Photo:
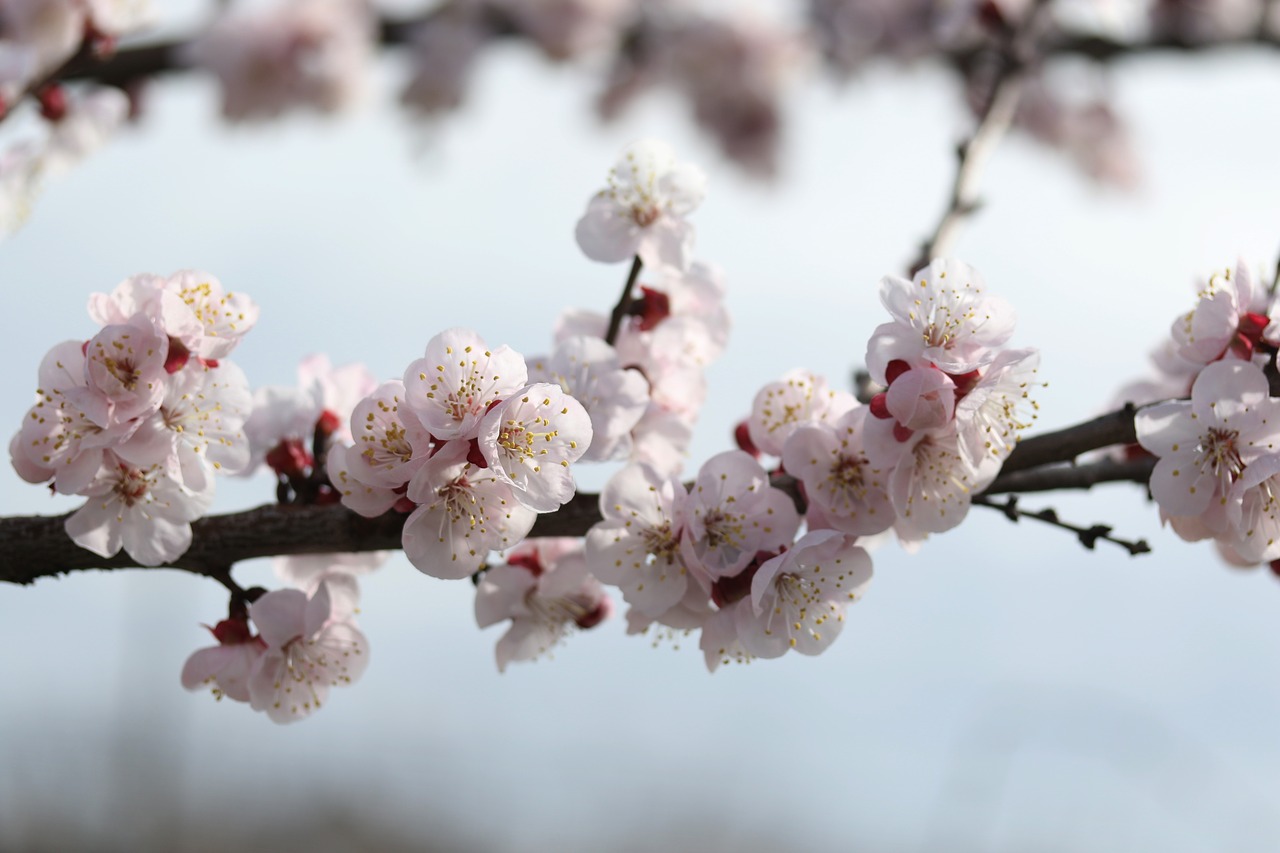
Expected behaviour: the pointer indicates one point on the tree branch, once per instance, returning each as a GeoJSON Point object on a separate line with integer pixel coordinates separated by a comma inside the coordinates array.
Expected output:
{"type": "Point", "coordinates": [38, 546]}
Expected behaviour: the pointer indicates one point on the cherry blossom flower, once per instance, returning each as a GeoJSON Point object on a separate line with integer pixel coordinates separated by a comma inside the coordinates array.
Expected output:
{"type": "Point", "coordinates": [732, 514]}
{"type": "Point", "coordinates": [991, 415]}
{"type": "Point", "coordinates": [125, 368]}
{"type": "Point", "coordinates": [1205, 444]}
{"type": "Point", "coordinates": [225, 667]}
{"type": "Point", "coordinates": [455, 384]}
{"type": "Point", "coordinates": [798, 599]}
{"type": "Point", "coordinates": [529, 441]}
{"type": "Point", "coordinates": [390, 443]}
{"type": "Point", "coordinates": [799, 398]}
{"type": "Point", "coordinates": [312, 646]}
{"type": "Point", "coordinates": [637, 546]}
{"type": "Point", "coordinates": [199, 424]}
{"type": "Point", "coordinates": [546, 591]}
{"type": "Point", "coordinates": [57, 439]}
{"type": "Point", "coordinates": [1229, 321]}
{"type": "Point", "coordinates": [144, 510]}
{"type": "Point", "coordinates": [943, 316]}
{"type": "Point", "coordinates": [615, 398]}
{"type": "Point", "coordinates": [464, 513]}
{"type": "Point", "coordinates": [838, 478]}
{"type": "Point", "coordinates": [642, 212]}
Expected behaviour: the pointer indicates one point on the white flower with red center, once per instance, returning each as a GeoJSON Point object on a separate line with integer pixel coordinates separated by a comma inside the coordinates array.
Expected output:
{"type": "Point", "coordinates": [991, 415]}
{"type": "Point", "coordinates": [589, 369]}
{"type": "Point", "coordinates": [312, 646]}
{"type": "Point", "coordinates": [200, 424]}
{"type": "Point", "coordinates": [1229, 320]}
{"type": "Point", "coordinates": [637, 546]}
{"type": "Point", "coordinates": [464, 513]}
{"type": "Point", "coordinates": [529, 441]}
{"type": "Point", "coordinates": [830, 460]}
{"type": "Point", "coordinates": [780, 408]}
{"type": "Point", "coordinates": [732, 514]}
{"type": "Point", "coordinates": [943, 316]}
{"type": "Point", "coordinates": [125, 368]}
{"type": "Point", "coordinates": [546, 592]}
{"type": "Point", "coordinates": [798, 599]}
{"type": "Point", "coordinates": [642, 211]}
{"type": "Point", "coordinates": [390, 443]}
{"type": "Point", "coordinates": [144, 510]}
{"type": "Point", "coordinates": [458, 381]}
{"type": "Point", "coordinates": [225, 667]}
{"type": "Point", "coordinates": [1205, 444]}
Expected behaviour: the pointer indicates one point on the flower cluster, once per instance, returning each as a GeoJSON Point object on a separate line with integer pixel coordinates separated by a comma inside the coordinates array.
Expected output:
{"type": "Point", "coordinates": [468, 446]}
{"type": "Point", "coordinates": [306, 644]}
{"type": "Point", "coordinates": [1218, 451]}
{"type": "Point", "coordinates": [724, 556]}
{"type": "Point", "coordinates": [139, 417]}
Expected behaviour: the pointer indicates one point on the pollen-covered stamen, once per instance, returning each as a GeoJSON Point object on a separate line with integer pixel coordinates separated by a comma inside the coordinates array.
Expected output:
{"type": "Point", "coordinates": [1220, 456]}
{"type": "Point", "coordinates": [846, 480]}
{"type": "Point", "coordinates": [724, 532]}
{"type": "Point", "coordinates": [661, 542]}
{"type": "Point", "coordinates": [523, 441]}
{"type": "Point", "coordinates": [799, 608]}
{"type": "Point", "coordinates": [132, 485]}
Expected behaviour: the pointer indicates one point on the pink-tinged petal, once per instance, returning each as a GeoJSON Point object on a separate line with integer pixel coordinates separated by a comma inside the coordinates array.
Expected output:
{"type": "Point", "coordinates": [286, 693]}
{"type": "Point", "coordinates": [667, 243]}
{"type": "Point", "coordinates": [280, 616]}
{"type": "Point", "coordinates": [501, 595]}
{"type": "Point", "coordinates": [96, 528]}
{"type": "Point", "coordinates": [156, 541]}
{"type": "Point", "coordinates": [775, 521]}
{"type": "Point", "coordinates": [719, 642]}
{"type": "Point", "coordinates": [1167, 428]}
{"type": "Point", "coordinates": [1179, 487]}
{"type": "Point", "coordinates": [345, 653]}
{"type": "Point", "coordinates": [451, 388]}
{"type": "Point", "coordinates": [922, 398]}
{"type": "Point", "coordinates": [606, 232]}
{"type": "Point", "coordinates": [369, 501]}
{"type": "Point", "coordinates": [27, 468]}
{"type": "Point", "coordinates": [1227, 391]}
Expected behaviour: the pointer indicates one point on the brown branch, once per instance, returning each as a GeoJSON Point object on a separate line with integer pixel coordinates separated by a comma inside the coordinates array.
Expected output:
{"type": "Point", "coordinates": [623, 307]}
{"type": "Point", "coordinates": [38, 546]}
{"type": "Point", "coordinates": [131, 64]}
{"type": "Point", "coordinates": [1089, 536]}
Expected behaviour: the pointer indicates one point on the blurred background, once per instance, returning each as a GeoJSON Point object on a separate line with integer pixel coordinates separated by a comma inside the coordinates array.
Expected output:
{"type": "Point", "coordinates": [1001, 690]}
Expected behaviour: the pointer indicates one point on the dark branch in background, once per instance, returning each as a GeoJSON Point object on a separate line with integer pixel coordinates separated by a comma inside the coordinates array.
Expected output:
{"type": "Point", "coordinates": [623, 308]}
{"type": "Point", "coordinates": [132, 64]}
{"type": "Point", "coordinates": [1012, 55]}
{"type": "Point", "coordinates": [1088, 536]}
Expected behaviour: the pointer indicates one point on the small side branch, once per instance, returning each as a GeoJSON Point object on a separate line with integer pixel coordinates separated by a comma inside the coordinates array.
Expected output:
{"type": "Point", "coordinates": [1012, 57]}
{"type": "Point", "coordinates": [1088, 536]}
{"type": "Point", "coordinates": [623, 308]}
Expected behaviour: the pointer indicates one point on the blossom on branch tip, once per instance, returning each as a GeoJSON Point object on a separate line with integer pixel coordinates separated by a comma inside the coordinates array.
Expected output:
{"type": "Point", "coordinates": [642, 211]}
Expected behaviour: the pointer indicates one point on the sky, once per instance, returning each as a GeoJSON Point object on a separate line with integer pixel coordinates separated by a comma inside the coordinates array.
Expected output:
{"type": "Point", "coordinates": [1001, 689]}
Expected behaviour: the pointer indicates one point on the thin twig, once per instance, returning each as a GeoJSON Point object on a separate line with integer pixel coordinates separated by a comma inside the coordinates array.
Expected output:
{"type": "Point", "coordinates": [1088, 536]}
{"type": "Point", "coordinates": [623, 307]}
{"type": "Point", "coordinates": [1012, 56]}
